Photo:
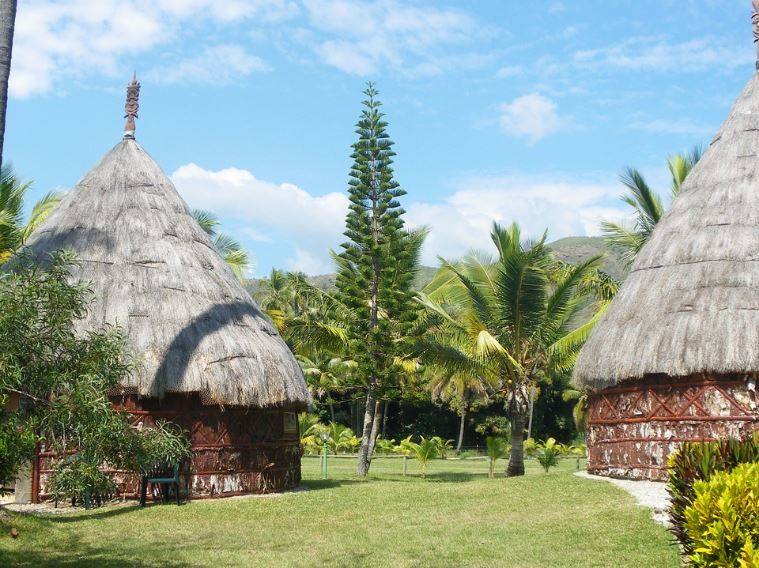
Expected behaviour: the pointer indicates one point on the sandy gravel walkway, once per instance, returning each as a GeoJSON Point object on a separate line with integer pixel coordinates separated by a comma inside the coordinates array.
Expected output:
{"type": "Point", "coordinates": [651, 494]}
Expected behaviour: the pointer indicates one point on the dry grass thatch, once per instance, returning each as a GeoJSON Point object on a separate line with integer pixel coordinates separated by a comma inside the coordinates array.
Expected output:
{"type": "Point", "coordinates": [691, 301]}
{"type": "Point", "coordinates": [190, 325]}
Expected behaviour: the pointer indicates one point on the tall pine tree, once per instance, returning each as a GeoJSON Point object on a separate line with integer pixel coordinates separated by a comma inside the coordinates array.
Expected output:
{"type": "Point", "coordinates": [376, 268]}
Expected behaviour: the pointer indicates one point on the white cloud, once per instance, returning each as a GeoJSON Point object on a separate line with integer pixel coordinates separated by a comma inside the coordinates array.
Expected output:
{"type": "Point", "coordinates": [363, 37]}
{"type": "Point", "coordinates": [61, 39]}
{"type": "Point", "coordinates": [217, 64]}
{"type": "Point", "coordinates": [56, 39]}
{"type": "Point", "coordinates": [657, 54]}
{"type": "Point", "coordinates": [463, 221]}
{"type": "Point", "coordinates": [532, 116]}
{"type": "Point", "coordinates": [283, 212]}
{"type": "Point", "coordinates": [309, 226]}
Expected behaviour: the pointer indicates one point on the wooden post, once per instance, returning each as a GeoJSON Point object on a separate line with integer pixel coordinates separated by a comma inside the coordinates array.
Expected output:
{"type": "Point", "coordinates": [405, 465]}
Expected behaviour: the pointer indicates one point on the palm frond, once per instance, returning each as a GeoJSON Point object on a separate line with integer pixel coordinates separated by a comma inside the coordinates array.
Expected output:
{"type": "Point", "coordinates": [207, 221]}
{"type": "Point", "coordinates": [40, 212]}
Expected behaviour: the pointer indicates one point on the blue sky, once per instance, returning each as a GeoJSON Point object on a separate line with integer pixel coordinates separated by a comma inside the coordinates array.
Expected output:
{"type": "Point", "coordinates": [500, 110]}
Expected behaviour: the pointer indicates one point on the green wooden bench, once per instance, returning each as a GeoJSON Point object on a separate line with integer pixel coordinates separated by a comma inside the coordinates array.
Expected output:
{"type": "Point", "coordinates": [160, 477]}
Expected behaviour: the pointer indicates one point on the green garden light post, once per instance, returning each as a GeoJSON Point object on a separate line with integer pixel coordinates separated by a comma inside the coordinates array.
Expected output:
{"type": "Point", "coordinates": [325, 449]}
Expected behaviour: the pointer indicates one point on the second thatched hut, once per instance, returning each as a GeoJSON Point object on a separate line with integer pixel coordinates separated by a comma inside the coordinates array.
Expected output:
{"type": "Point", "coordinates": [676, 356]}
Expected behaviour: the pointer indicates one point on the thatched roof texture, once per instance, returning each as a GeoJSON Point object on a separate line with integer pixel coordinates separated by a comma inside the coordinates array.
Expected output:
{"type": "Point", "coordinates": [691, 301]}
{"type": "Point", "coordinates": [190, 325]}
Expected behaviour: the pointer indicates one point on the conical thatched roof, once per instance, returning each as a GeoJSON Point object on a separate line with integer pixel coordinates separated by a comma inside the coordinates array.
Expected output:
{"type": "Point", "coordinates": [190, 325]}
{"type": "Point", "coordinates": [691, 301]}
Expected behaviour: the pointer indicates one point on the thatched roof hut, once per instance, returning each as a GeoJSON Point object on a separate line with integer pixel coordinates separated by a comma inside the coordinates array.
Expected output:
{"type": "Point", "coordinates": [691, 301]}
{"type": "Point", "coordinates": [676, 355]}
{"type": "Point", "coordinates": [203, 349]}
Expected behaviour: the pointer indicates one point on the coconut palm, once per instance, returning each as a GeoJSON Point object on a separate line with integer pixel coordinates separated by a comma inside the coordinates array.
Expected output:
{"type": "Point", "coordinates": [514, 320]}
{"type": "Point", "coordinates": [423, 452]}
{"type": "Point", "coordinates": [230, 250]}
{"type": "Point", "coordinates": [326, 376]}
{"type": "Point", "coordinates": [647, 205]}
{"type": "Point", "coordinates": [13, 229]}
{"type": "Point", "coordinates": [496, 449]}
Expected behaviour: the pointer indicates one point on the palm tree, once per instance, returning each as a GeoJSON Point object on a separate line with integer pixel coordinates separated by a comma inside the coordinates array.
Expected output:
{"type": "Point", "coordinates": [495, 449]}
{"type": "Point", "coordinates": [514, 318]}
{"type": "Point", "coordinates": [7, 27]}
{"type": "Point", "coordinates": [326, 376]}
{"type": "Point", "coordinates": [647, 205]}
{"type": "Point", "coordinates": [13, 230]}
{"type": "Point", "coordinates": [230, 250]}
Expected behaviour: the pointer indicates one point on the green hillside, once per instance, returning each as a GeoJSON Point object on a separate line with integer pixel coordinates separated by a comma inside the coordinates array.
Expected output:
{"type": "Point", "coordinates": [569, 249]}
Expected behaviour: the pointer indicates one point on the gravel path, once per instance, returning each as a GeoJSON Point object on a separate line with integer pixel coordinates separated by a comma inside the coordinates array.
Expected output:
{"type": "Point", "coordinates": [651, 494]}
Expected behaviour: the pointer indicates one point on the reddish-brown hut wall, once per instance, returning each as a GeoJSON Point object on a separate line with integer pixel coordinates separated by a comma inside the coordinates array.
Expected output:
{"type": "Point", "coordinates": [235, 450]}
{"type": "Point", "coordinates": [634, 427]}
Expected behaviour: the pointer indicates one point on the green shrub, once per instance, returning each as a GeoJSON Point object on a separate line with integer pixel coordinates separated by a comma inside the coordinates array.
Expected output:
{"type": "Point", "coordinates": [696, 461]}
{"type": "Point", "coordinates": [442, 446]}
{"type": "Point", "coordinates": [404, 448]}
{"type": "Point", "coordinates": [384, 446]}
{"type": "Point", "coordinates": [81, 481]}
{"type": "Point", "coordinates": [547, 453]}
{"type": "Point", "coordinates": [530, 447]}
{"type": "Point", "coordinates": [723, 521]}
{"type": "Point", "coordinates": [161, 446]}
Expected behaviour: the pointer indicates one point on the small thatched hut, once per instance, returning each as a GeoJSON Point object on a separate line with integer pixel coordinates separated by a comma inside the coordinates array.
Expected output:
{"type": "Point", "coordinates": [207, 359]}
{"type": "Point", "coordinates": [676, 356]}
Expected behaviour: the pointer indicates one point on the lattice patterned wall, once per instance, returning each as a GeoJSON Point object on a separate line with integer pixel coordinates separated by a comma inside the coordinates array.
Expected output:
{"type": "Point", "coordinates": [633, 427]}
{"type": "Point", "coordinates": [235, 450]}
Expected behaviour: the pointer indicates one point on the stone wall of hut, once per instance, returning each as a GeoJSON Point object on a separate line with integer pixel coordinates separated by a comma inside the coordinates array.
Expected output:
{"type": "Point", "coordinates": [634, 427]}
{"type": "Point", "coordinates": [236, 450]}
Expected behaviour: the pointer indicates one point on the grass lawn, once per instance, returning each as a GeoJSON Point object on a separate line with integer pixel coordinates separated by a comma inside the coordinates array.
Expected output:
{"type": "Point", "coordinates": [456, 517]}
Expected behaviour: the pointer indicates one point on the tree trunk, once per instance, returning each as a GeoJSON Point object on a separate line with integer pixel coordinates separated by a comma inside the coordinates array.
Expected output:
{"type": "Point", "coordinates": [516, 459]}
{"type": "Point", "coordinates": [375, 429]}
{"type": "Point", "coordinates": [461, 429]}
{"type": "Point", "coordinates": [7, 27]}
{"type": "Point", "coordinates": [332, 410]}
{"type": "Point", "coordinates": [364, 459]}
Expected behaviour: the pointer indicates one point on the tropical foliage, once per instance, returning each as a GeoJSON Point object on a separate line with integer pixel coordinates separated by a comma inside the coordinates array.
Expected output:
{"type": "Point", "coordinates": [60, 381]}
{"type": "Point", "coordinates": [423, 451]}
{"type": "Point", "coordinates": [723, 521]}
{"type": "Point", "coordinates": [698, 461]}
{"type": "Point", "coordinates": [548, 453]}
{"type": "Point", "coordinates": [13, 229]}
{"type": "Point", "coordinates": [511, 320]}
{"type": "Point", "coordinates": [496, 449]}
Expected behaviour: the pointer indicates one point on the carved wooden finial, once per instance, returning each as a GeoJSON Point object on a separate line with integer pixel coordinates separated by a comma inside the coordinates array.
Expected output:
{"type": "Point", "coordinates": [755, 25]}
{"type": "Point", "coordinates": [132, 106]}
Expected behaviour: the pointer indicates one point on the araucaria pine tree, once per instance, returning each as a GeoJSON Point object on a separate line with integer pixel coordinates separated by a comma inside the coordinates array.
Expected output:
{"type": "Point", "coordinates": [375, 269]}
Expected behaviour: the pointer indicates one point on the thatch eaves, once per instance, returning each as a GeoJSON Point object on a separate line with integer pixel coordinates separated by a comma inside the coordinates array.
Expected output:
{"type": "Point", "coordinates": [190, 325]}
{"type": "Point", "coordinates": [691, 301]}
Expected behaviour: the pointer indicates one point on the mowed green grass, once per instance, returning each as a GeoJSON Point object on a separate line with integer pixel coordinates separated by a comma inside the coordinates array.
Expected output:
{"type": "Point", "coordinates": [456, 517]}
